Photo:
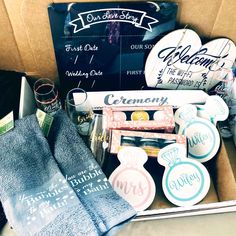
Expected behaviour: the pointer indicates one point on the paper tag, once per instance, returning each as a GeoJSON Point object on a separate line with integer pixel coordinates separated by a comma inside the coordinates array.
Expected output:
{"type": "Point", "coordinates": [45, 121]}
{"type": "Point", "coordinates": [180, 61]}
{"type": "Point", "coordinates": [215, 109]}
{"type": "Point", "coordinates": [131, 180]}
{"type": "Point", "coordinates": [185, 181]}
{"type": "Point", "coordinates": [203, 137]}
{"type": "Point", "coordinates": [6, 123]}
{"type": "Point", "coordinates": [79, 97]}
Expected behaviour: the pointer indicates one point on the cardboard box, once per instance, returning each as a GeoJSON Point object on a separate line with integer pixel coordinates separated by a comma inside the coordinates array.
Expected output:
{"type": "Point", "coordinates": [26, 45]}
{"type": "Point", "coordinates": [220, 198]}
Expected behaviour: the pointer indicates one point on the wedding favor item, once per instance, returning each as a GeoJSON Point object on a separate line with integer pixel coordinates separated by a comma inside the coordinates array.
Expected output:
{"type": "Point", "coordinates": [36, 197]}
{"type": "Point", "coordinates": [140, 118]}
{"type": "Point", "coordinates": [151, 142]}
{"type": "Point", "coordinates": [180, 61]}
{"type": "Point", "coordinates": [203, 137]}
{"type": "Point", "coordinates": [131, 180]}
{"type": "Point", "coordinates": [215, 109]}
{"type": "Point", "coordinates": [141, 98]}
{"type": "Point", "coordinates": [106, 208]}
{"type": "Point", "coordinates": [79, 110]}
{"type": "Point", "coordinates": [103, 45]}
{"type": "Point", "coordinates": [185, 181]}
{"type": "Point", "coordinates": [46, 96]}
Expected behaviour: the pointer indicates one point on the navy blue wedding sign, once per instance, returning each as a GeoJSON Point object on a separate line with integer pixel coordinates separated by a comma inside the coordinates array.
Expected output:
{"type": "Point", "coordinates": [103, 46]}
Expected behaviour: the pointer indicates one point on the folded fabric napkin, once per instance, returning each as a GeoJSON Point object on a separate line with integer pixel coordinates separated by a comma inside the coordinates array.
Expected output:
{"type": "Point", "coordinates": [77, 163]}
{"type": "Point", "coordinates": [36, 197]}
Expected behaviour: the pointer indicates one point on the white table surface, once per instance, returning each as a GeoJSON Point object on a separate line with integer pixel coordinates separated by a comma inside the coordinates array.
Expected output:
{"type": "Point", "coordinates": [223, 224]}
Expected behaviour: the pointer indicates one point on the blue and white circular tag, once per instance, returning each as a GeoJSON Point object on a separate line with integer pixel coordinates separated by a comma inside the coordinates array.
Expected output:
{"type": "Point", "coordinates": [215, 109]}
{"type": "Point", "coordinates": [203, 137]}
{"type": "Point", "coordinates": [185, 181]}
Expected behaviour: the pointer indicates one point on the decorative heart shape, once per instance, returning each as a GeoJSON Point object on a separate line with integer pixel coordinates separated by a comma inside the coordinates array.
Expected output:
{"type": "Point", "coordinates": [180, 61]}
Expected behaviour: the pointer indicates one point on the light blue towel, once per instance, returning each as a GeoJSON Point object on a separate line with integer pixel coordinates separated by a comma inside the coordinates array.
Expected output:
{"type": "Point", "coordinates": [77, 163]}
{"type": "Point", "coordinates": [36, 197]}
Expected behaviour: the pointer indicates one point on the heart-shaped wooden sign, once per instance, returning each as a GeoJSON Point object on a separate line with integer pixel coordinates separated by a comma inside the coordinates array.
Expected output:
{"type": "Point", "coordinates": [180, 61]}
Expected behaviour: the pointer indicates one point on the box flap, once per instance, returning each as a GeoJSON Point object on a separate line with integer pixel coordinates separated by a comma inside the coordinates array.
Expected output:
{"type": "Point", "coordinates": [9, 54]}
{"type": "Point", "coordinates": [30, 24]}
{"type": "Point", "coordinates": [224, 24]}
{"type": "Point", "coordinates": [225, 179]}
{"type": "Point", "coordinates": [197, 16]}
{"type": "Point", "coordinates": [17, 21]}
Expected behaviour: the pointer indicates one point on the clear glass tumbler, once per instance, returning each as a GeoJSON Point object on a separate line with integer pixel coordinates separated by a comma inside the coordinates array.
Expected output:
{"type": "Point", "coordinates": [79, 110]}
{"type": "Point", "coordinates": [98, 138]}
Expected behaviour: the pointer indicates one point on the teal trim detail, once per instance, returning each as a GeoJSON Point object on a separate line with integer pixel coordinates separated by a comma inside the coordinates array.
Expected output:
{"type": "Point", "coordinates": [213, 143]}
{"type": "Point", "coordinates": [195, 195]}
{"type": "Point", "coordinates": [200, 108]}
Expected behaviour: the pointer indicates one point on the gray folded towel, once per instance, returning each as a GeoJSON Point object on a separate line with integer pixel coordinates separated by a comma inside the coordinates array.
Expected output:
{"type": "Point", "coordinates": [36, 197]}
{"type": "Point", "coordinates": [105, 206]}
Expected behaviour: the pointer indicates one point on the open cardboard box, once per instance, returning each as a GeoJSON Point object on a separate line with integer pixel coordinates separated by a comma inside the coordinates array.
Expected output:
{"type": "Point", "coordinates": [222, 168]}
{"type": "Point", "coordinates": [26, 45]}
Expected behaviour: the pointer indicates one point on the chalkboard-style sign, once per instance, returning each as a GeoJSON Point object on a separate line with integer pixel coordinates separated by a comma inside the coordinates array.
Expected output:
{"type": "Point", "coordinates": [103, 46]}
